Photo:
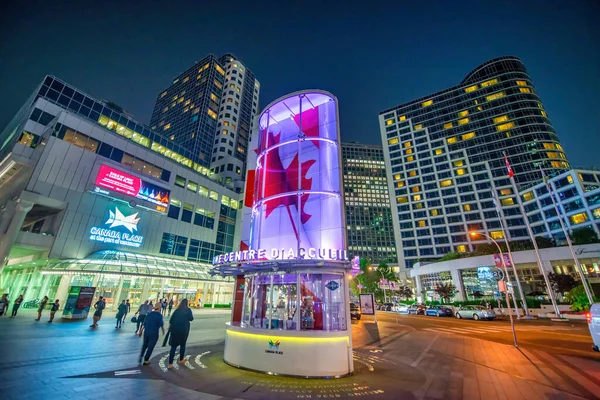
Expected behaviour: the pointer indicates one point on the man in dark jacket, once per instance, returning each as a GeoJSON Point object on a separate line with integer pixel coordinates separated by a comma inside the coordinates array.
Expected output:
{"type": "Point", "coordinates": [152, 323]}
{"type": "Point", "coordinates": [121, 314]}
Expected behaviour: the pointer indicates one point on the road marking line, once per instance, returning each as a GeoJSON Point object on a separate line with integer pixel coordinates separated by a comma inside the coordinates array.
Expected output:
{"type": "Point", "coordinates": [199, 362]}
{"type": "Point", "coordinates": [162, 363]}
{"type": "Point", "coordinates": [132, 372]}
{"type": "Point", "coordinates": [418, 360]}
{"type": "Point", "coordinates": [187, 363]}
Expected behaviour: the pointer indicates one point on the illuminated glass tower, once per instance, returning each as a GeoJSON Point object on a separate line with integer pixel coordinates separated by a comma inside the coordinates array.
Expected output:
{"type": "Point", "coordinates": [444, 158]}
{"type": "Point", "coordinates": [209, 110]}
{"type": "Point", "coordinates": [368, 214]}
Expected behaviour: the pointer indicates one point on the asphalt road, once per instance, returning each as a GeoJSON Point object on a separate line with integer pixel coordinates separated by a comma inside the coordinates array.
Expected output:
{"type": "Point", "coordinates": [553, 337]}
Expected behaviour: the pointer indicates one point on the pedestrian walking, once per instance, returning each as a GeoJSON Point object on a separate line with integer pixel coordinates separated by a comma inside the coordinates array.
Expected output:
{"type": "Point", "coordinates": [164, 306]}
{"type": "Point", "coordinates": [3, 304]}
{"type": "Point", "coordinates": [99, 306]}
{"type": "Point", "coordinates": [122, 310]}
{"type": "Point", "coordinates": [170, 306]}
{"type": "Point", "coordinates": [128, 305]}
{"type": "Point", "coordinates": [53, 310]}
{"type": "Point", "coordinates": [41, 308]}
{"type": "Point", "coordinates": [179, 326]}
{"type": "Point", "coordinates": [141, 313]}
{"type": "Point", "coordinates": [16, 306]}
{"type": "Point", "coordinates": [152, 323]}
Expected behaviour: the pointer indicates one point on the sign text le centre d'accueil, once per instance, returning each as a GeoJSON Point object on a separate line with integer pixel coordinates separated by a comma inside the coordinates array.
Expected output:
{"type": "Point", "coordinates": [281, 254]}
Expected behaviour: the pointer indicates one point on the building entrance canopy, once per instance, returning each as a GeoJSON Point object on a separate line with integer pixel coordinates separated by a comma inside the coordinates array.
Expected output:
{"type": "Point", "coordinates": [127, 263]}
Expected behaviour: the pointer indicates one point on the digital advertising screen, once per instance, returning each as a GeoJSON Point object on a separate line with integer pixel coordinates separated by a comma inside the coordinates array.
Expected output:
{"type": "Point", "coordinates": [121, 182]}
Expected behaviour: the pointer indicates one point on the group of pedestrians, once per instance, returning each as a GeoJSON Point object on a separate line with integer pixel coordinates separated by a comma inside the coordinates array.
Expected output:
{"type": "Point", "coordinates": [149, 319]}
{"type": "Point", "coordinates": [176, 336]}
{"type": "Point", "coordinates": [4, 306]}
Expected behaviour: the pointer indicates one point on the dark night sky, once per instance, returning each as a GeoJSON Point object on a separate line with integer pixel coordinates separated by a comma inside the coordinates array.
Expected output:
{"type": "Point", "coordinates": [372, 55]}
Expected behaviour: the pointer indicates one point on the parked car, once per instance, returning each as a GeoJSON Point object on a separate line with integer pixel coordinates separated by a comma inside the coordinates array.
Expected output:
{"type": "Point", "coordinates": [416, 309]}
{"type": "Point", "coordinates": [387, 306]}
{"type": "Point", "coordinates": [354, 311]}
{"type": "Point", "coordinates": [402, 308]}
{"type": "Point", "coordinates": [475, 313]}
{"type": "Point", "coordinates": [593, 320]}
{"type": "Point", "coordinates": [439, 311]}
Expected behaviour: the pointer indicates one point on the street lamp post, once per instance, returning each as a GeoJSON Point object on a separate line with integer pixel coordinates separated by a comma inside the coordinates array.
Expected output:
{"type": "Point", "coordinates": [512, 322]}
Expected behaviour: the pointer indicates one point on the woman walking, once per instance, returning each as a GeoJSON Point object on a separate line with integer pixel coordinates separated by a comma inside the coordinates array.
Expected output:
{"type": "Point", "coordinates": [121, 314]}
{"type": "Point", "coordinates": [16, 306]}
{"type": "Point", "coordinates": [179, 325]}
{"type": "Point", "coordinates": [3, 304]}
{"type": "Point", "coordinates": [41, 308]}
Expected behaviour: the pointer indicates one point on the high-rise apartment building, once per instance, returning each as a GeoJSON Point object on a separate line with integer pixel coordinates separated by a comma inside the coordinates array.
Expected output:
{"type": "Point", "coordinates": [368, 214]}
{"type": "Point", "coordinates": [209, 109]}
{"type": "Point", "coordinates": [444, 158]}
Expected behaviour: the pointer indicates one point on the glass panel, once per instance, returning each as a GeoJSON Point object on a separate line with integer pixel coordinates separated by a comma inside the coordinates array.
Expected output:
{"type": "Point", "coordinates": [322, 306]}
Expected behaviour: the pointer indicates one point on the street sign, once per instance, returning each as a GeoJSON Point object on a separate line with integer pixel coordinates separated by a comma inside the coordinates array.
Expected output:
{"type": "Point", "coordinates": [498, 260]}
{"type": "Point", "coordinates": [502, 286]}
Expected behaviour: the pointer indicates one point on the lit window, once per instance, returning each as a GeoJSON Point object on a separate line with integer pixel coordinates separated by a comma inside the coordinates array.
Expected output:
{"type": "Point", "coordinates": [555, 164]}
{"type": "Point", "coordinates": [439, 151]}
{"type": "Point", "coordinates": [471, 89]}
{"type": "Point", "coordinates": [397, 176]}
{"type": "Point", "coordinates": [400, 184]}
{"type": "Point", "coordinates": [167, 126]}
{"type": "Point", "coordinates": [463, 113]}
{"type": "Point", "coordinates": [435, 212]}
{"type": "Point", "coordinates": [427, 103]}
{"type": "Point", "coordinates": [422, 223]}
{"type": "Point", "coordinates": [506, 126]}
{"type": "Point", "coordinates": [408, 151]}
{"type": "Point", "coordinates": [461, 248]}
{"type": "Point", "coordinates": [213, 97]}
{"type": "Point", "coordinates": [544, 113]}
{"type": "Point", "coordinates": [508, 201]}
{"type": "Point", "coordinates": [505, 192]}
{"type": "Point", "coordinates": [552, 154]}
{"type": "Point", "coordinates": [497, 235]}
{"type": "Point", "coordinates": [226, 123]}
{"type": "Point", "coordinates": [502, 118]}
{"type": "Point", "coordinates": [569, 178]}
{"type": "Point", "coordinates": [415, 189]}
{"type": "Point", "coordinates": [494, 96]}
{"type": "Point", "coordinates": [460, 171]}
{"type": "Point", "coordinates": [407, 144]}
{"type": "Point", "coordinates": [402, 118]}
{"type": "Point", "coordinates": [446, 183]}
{"type": "Point", "coordinates": [224, 131]}
{"type": "Point", "coordinates": [212, 114]}
{"type": "Point", "coordinates": [219, 69]}
{"type": "Point", "coordinates": [418, 126]}
{"type": "Point", "coordinates": [417, 197]}
{"type": "Point", "coordinates": [528, 196]}
{"type": "Point", "coordinates": [419, 205]}
{"type": "Point", "coordinates": [525, 90]}
{"type": "Point", "coordinates": [218, 84]}
{"type": "Point", "coordinates": [466, 207]}
{"type": "Point", "coordinates": [410, 158]}
{"type": "Point", "coordinates": [451, 140]}
{"type": "Point", "coordinates": [489, 83]}
{"type": "Point", "coordinates": [468, 136]}
{"type": "Point", "coordinates": [163, 94]}
{"type": "Point", "coordinates": [412, 173]}
{"type": "Point", "coordinates": [463, 121]}
{"type": "Point", "coordinates": [389, 122]}
{"type": "Point", "coordinates": [393, 141]}
{"type": "Point", "coordinates": [448, 125]}
{"type": "Point", "coordinates": [458, 163]}
{"type": "Point", "coordinates": [578, 218]}
{"type": "Point", "coordinates": [521, 83]}
{"type": "Point", "coordinates": [403, 199]}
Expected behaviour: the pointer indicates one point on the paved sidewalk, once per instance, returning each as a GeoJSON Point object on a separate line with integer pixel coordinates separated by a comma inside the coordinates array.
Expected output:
{"type": "Point", "coordinates": [391, 361]}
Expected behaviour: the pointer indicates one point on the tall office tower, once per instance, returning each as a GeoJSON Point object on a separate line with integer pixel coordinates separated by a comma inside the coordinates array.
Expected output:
{"type": "Point", "coordinates": [444, 159]}
{"type": "Point", "coordinates": [209, 109]}
{"type": "Point", "coordinates": [368, 214]}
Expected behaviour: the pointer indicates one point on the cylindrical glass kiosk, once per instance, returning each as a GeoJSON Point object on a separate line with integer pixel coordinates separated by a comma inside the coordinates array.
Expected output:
{"type": "Point", "coordinates": [294, 317]}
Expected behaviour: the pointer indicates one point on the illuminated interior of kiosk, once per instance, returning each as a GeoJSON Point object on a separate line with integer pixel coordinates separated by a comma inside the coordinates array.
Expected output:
{"type": "Point", "coordinates": [295, 301]}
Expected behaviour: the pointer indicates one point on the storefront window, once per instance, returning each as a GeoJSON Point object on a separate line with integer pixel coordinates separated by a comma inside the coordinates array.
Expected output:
{"type": "Point", "coordinates": [271, 302]}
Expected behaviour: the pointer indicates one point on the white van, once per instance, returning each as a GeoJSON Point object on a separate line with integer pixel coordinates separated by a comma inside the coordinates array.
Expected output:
{"type": "Point", "coordinates": [593, 319]}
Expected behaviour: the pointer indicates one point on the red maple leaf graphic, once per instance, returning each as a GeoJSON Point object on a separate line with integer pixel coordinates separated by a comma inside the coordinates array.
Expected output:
{"type": "Point", "coordinates": [310, 124]}
{"type": "Point", "coordinates": [276, 179]}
